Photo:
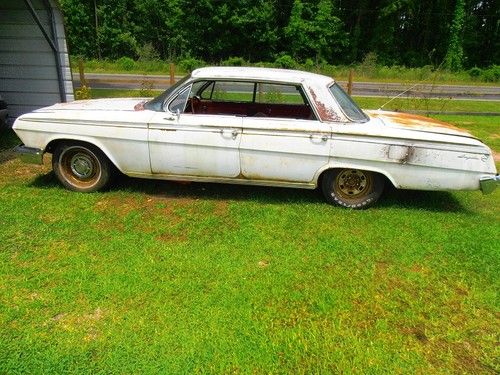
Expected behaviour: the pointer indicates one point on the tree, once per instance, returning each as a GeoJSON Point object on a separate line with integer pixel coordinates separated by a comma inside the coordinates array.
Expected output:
{"type": "Point", "coordinates": [455, 54]}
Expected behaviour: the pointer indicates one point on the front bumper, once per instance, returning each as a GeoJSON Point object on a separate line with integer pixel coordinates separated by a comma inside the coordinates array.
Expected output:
{"type": "Point", "coordinates": [488, 184]}
{"type": "Point", "coordinates": [29, 154]}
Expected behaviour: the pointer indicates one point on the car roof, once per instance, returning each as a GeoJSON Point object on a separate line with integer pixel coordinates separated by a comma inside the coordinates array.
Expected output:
{"type": "Point", "coordinates": [265, 74]}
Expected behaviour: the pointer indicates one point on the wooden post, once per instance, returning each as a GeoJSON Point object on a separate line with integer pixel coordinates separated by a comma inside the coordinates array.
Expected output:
{"type": "Point", "coordinates": [172, 73]}
{"type": "Point", "coordinates": [349, 83]}
{"type": "Point", "coordinates": [81, 70]}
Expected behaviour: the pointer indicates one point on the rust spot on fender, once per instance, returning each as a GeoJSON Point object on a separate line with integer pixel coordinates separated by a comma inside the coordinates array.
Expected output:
{"type": "Point", "coordinates": [401, 154]}
{"type": "Point", "coordinates": [325, 114]}
{"type": "Point", "coordinates": [408, 156]}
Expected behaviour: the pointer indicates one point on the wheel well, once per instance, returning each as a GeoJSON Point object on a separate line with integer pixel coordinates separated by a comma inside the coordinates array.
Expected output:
{"type": "Point", "coordinates": [387, 180]}
{"type": "Point", "coordinates": [52, 145]}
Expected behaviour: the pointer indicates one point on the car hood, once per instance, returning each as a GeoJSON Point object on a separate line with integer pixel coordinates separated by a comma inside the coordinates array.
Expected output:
{"type": "Point", "coordinates": [417, 123]}
{"type": "Point", "coordinates": [115, 104]}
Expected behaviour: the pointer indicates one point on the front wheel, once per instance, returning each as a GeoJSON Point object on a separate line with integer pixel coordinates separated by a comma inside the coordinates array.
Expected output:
{"type": "Point", "coordinates": [81, 167]}
{"type": "Point", "coordinates": [352, 188]}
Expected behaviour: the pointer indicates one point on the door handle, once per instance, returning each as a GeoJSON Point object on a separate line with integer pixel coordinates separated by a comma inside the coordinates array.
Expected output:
{"type": "Point", "coordinates": [229, 132]}
{"type": "Point", "coordinates": [171, 118]}
{"type": "Point", "coordinates": [319, 137]}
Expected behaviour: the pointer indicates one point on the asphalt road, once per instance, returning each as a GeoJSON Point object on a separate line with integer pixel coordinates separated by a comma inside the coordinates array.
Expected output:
{"type": "Point", "coordinates": [424, 90]}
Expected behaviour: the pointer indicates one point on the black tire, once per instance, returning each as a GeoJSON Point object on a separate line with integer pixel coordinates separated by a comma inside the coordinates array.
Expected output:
{"type": "Point", "coordinates": [352, 188]}
{"type": "Point", "coordinates": [81, 167]}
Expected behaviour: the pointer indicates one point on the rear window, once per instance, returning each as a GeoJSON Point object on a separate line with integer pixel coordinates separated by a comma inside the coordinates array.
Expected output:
{"type": "Point", "coordinates": [348, 106]}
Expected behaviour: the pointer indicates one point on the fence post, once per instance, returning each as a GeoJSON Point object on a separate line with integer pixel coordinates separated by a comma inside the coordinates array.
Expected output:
{"type": "Point", "coordinates": [81, 70]}
{"type": "Point", "coordinates": [172, 73]}
{"type": "Point", "coordinates": [349, 83]}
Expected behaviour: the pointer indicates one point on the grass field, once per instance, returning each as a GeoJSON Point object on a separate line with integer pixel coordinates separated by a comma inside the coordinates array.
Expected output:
{"type": "Point", "coordinates": [159, 277]}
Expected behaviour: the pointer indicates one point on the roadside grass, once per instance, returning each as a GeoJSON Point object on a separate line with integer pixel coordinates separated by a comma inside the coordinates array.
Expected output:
{"type": "Point", "coordinates": [424, 104]}
{"type": "Point", "coordinates": [362, 73]}
{"type": "Point", "coordinates": [156, 276]}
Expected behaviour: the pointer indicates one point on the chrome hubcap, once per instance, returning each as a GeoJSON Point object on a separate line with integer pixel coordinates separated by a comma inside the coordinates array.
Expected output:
{"type": "Point", "coordinates": [82, 166]}
{"type": "Point", "coordinates": [352, 182]}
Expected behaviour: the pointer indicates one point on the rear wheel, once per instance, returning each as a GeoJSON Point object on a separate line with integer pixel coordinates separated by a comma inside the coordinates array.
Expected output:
{"type": "Point", "coordinates": [352, 188]}
{"type": "Point", "coordinates": [81, 167]}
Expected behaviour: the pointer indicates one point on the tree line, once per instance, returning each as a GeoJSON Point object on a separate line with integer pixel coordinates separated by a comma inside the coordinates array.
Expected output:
{"type": "Point", "coordinates": [455, 34]}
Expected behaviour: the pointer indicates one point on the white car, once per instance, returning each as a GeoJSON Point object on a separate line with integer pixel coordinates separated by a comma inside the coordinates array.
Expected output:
{"type": "Point", "coordinates": [255, 126]}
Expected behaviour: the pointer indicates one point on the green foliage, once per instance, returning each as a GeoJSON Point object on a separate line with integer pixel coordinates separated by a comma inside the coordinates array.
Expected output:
{"type": "Point", "coordinates": [475, 72]}
{"type": "Point", "coordinates": [410, 32]}
{"type": "Point", "coordinates": [147, 53]}
{"type": "Point", "coordinates": [190, 63]}
{"type": "Point", "coordinates": [455, 55]}
{"type": "Point", "coordinates": [234, 61]}
{"type": "Point", "coordinates": [492, 74]}
{"type": "Point", "coordinates": [285, 62]}
{"type": "Point", "coordinates": [126, 63]}
{"type": "Point", "coordinates": [314, 31]}
{"type": "Point", "coordinates": [83, 92]}
{"type": "Point", "coordinates": [309, 65]}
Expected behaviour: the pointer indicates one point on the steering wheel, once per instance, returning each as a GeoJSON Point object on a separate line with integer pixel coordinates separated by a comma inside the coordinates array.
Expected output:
{"type": "Point", "coordinates": [195, 103]}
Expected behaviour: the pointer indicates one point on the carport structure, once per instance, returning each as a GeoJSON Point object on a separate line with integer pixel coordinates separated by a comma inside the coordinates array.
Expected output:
{"type": "Point", "coordinates": [34, 62]}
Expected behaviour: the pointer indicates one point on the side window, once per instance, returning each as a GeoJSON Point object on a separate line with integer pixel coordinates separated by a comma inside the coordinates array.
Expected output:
{"type": "Point", "coordinates": [179, 102]}
{"type": "Point", "coordinates": [239, 92]}
{"type": "Point", "coordinates": [278, 94]}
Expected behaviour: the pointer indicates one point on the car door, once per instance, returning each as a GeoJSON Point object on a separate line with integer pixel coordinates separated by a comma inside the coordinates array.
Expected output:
{"type": "Point", "coordinates": [284, 145]}
{"type": "Point", "coordinates": [188, 144]}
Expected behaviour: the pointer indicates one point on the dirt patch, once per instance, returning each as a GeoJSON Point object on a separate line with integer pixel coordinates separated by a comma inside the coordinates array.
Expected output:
{"type": "Point", "coordinates": [496, 156]}
{"type": "Point", "coordinates": [12, 169]}
{"type": "Point", "coordinates": [85, 323]}
{"type": "Point", "coordinates": [171, 237]}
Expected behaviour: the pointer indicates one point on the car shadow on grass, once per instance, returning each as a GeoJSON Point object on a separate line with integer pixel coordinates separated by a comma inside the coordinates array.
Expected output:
{"type": "Point", "coordinates": [433, 201]}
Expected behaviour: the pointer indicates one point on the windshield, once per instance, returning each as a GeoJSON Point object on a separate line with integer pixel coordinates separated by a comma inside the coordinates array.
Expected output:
{"type": "Point", "coordinates": [156, 104]}
{"type": "Point", "coordinates": [348, 106]}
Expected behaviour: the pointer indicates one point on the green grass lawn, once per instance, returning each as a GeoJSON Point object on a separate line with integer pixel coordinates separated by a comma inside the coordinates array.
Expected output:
{"type": "Point", "coordinates": [417, 104]}
{"type": "Point", "coordinates": [161, 277]}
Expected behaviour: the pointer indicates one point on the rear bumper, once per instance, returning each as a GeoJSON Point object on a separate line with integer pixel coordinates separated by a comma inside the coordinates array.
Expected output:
{"type": "Point", "coordinates": [29, 154]}
{"type": "Point", "coordinates": [488, 184]}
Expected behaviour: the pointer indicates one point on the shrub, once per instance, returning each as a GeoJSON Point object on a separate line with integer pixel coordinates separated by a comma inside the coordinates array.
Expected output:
{"type": "Point", "coordinates": [84, 92]}
{"type": "Point", "coordinates": [309, 65]}
{"type": "Point", "coordinates": [492, 74]}
{"type": "Point", "coordinates": [234, 61]}
{"type": "Point", "coordinates": [475, 72]}
{"type": "Point", "coordinates": [285, 62]}
{"type": "Point", "coordinates": [147, 53]}
{"type": "Point", "coordinates": [369, 64]}
{"type": "Point", "coordinates": [190, 63]}
{"type": "Point", "coordinates": [262, 64]}
{"type": "Point", "coordinates": [125, 63]}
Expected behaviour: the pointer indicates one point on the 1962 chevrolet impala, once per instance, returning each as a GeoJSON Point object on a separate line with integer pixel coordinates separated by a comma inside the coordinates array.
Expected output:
{"type": "Point", "coordinates": [256, 126]}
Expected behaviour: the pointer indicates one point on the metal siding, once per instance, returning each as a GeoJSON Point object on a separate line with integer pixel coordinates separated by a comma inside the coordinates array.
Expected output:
{"type": "Point", "coordinates": [28, 73]}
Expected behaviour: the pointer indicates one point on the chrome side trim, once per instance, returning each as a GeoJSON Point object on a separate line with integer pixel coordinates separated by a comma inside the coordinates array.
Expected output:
{"type": "Point", "coordinates": [488, 184]}
{"type": "Point", "coordinates": [29, 154]}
